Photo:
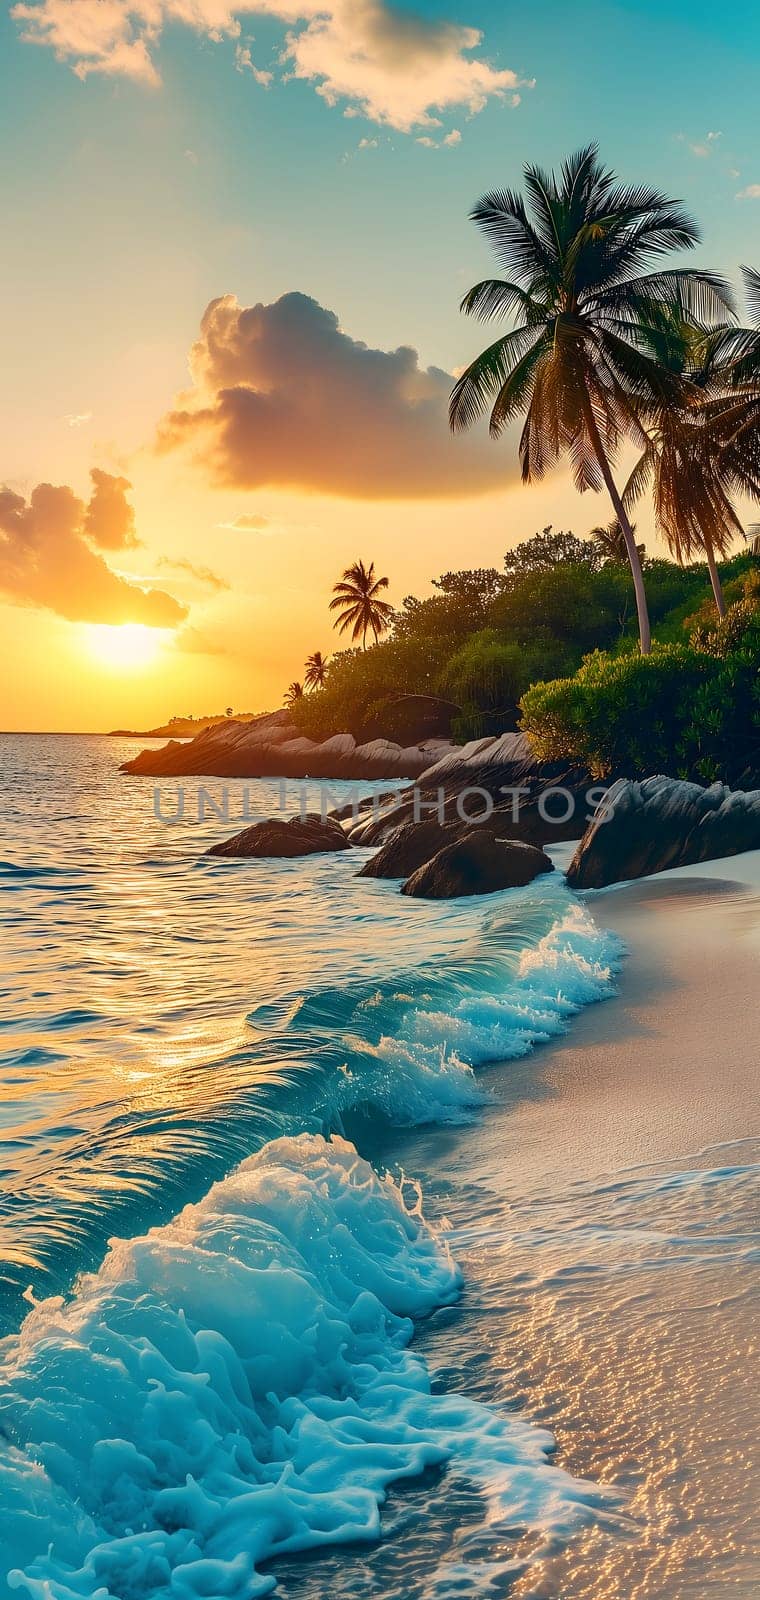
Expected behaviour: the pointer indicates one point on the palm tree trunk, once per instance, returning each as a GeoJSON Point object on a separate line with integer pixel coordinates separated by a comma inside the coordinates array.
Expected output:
{"type": "Point", "coordinates": [645, 632]}
{"type": "Point", "coordinates": [717, 587]}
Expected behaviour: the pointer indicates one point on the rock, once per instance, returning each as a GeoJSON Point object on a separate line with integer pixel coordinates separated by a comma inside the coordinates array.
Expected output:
{"type": "Point", "coordinates": [271, 747]}
{"type": "Point", "coordinates": [353, 808]}
{"type": "Point", "coordinates": [478, 863]}
{"type": "Point", "coordinates": [660, 823]}
{"type": "Point", "coordinates": [408, 847]}
{"type": "Point", "coordinates": [298, 836]}
{"type": "Point", "coordinates": [384, 819]}
{"type": "Point", "coordinates": [494, 782]}
{"type": "Point", "coordinates": [467, 763]}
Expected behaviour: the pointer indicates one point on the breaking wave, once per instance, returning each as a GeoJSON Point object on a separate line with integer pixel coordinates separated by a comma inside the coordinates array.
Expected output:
{"type": "Point", "coordinates": [237, 1385]}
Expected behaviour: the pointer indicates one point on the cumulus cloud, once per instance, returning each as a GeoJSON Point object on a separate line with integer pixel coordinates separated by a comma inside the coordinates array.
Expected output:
{"type": "Point", "coordinates": [372, 56]}
{"type": "Point", "coordinates": [284, 397]}
{"type": "Point", "coordinates": [48, 559]}
{"type": "Point", "coordinates": [752, 192]}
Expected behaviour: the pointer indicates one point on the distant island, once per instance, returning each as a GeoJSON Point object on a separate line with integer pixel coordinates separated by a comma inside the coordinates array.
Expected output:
{"type": "Point", "coordinates": [181, 727]}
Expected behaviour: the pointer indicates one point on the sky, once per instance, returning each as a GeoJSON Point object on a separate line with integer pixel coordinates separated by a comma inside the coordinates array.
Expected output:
{"type": "Point", "coordinates": [236, 237]}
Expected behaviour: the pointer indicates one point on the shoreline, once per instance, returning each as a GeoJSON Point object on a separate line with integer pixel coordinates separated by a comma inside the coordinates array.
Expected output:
{"type": "Point", "coordinates": [601, 1211]}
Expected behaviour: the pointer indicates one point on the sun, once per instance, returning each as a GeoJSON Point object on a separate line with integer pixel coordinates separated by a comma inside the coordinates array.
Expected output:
{"type": "Point", "coordinates": [129, 647]}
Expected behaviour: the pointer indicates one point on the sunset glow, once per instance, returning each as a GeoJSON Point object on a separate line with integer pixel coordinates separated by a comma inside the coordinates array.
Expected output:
{"type": "Point", "coordinates": [132, 647]}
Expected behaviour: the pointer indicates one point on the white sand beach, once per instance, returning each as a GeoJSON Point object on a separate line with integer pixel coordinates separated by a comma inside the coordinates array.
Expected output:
{"type": "Point", "coordinates": [603, 1214]}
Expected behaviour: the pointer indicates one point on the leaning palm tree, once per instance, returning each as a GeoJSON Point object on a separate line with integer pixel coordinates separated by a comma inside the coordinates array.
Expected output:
{"type": "Point", "coordinates": [293, 693]}
{"type": "Point", "coordinates": [315, 670]}
{"type": "Point", "coordinates": [356, 598]}
{"type": "Point", "coordinates": [575, 252]}
{"type": "Point", "coordinates": [690, 458]}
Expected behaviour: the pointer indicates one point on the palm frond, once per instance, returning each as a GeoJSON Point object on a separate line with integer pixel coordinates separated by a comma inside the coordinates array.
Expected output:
{"type": "Point", "coordinates": [516, 243]}
{"type": "Point", "coordinates": [496, 297]}
{"type": "Point", "coordinates": [752, 291]}
{"type": "Point", "coordinates": [487, 374]}
{"type": "Point", "coordinates": [699, 295]}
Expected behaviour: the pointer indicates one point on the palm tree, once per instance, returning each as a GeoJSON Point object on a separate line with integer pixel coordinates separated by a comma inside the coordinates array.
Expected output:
{"type": "Point", "coordinates": [316, 670]}
{"type": "Point", "coordinates": [610, 540]}
{"type": "Point", "coordinates": [573, 364]}
{"type": "Point", "coordinates": [690, 457]}
{"type": "Point", "coordinates": [293, 693]}
{"type": "Point", "coordinates": [356, 599]}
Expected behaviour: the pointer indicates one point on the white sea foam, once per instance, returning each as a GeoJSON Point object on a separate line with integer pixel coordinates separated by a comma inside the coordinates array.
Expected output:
{"type": "Point", "coordinates": [237, 1385]}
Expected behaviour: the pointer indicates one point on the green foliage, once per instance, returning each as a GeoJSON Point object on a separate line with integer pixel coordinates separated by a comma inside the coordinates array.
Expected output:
{"type": "Point", "coordinates": [571, 606]}
{"type": "Point", "coordinates": [486, 677]}
{"type": "Point", "coordinates": [547, 550]}
{"type": "Point", "coordinates": [738, 633]}
{"type": "Point", "coordinates": [358, 684]}
{"type": "Point", "coordinates": [483, 637]}
{"type": "Point", "coordinates": [682, 711]}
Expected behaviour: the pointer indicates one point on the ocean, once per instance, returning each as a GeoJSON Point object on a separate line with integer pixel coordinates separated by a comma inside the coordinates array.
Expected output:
{"type": "Point", "coordinates": [237, 1342]}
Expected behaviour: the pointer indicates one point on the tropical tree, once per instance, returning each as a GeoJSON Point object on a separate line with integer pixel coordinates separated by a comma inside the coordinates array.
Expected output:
{"type": "Point", "coordinates": [356, 598]}
{"type": "Point", "coordinates": [579, 253]}
{"type": "Point", "coordinates": [690, 459]}
{"type": "Point", "coordinates": [316, 670]}
{"type": "Point", "coordinates": [609, 540]}
{"type": "Point", "coordinates": [548, 550]}
{"type": "Point", "coordinates": [293, 693]}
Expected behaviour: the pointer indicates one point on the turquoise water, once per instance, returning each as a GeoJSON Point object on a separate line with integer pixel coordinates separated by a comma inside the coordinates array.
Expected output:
{"type": "Point", "coordinates": [237, 1384]}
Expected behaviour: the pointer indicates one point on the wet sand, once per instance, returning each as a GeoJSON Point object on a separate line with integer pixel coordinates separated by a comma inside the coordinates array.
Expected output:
{"type": "Point", "coordinates": [605, 1211]}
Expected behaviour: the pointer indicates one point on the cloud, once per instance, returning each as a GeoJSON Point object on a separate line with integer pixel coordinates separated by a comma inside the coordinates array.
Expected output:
{"type": "Point", "coordinates": [77, 419]}
{"type": "Point", "coordinates": [245, 63]}
{"type": "Point", "coordinates": [247, 523]}
{"type": "Point", "coordinates": [379, 60]}
{"type": "Point", "coordinates": [450, 139]}
{"type": "Point", "coordinates": [284, 397]}
{"type": "Point", "coordinates": [109, 521]}
{"type": "Point", "coordinates": [204, 575]}
{"type": "Point", "coordinates": [752, 192]}
{"type": "Point", "coordinates": [701, 148]}
{"type": "Point", "coordinates": [393, 66]}
{"type": "Point", "coordinates": [47, 559]}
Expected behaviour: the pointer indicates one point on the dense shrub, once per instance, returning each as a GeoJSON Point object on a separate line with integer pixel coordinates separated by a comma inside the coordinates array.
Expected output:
{"type": "Point", "coordinates": [679, 711]}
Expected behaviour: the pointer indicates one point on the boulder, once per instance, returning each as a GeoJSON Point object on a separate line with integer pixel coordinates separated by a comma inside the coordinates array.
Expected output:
{"type": "Point", "coordinates": [383, 820]}
{"type": "Point", "coordinates": [478, 863]}
{"type": "Point", "coordinates": [663, 822]}
{"type": "Point", "coordinates": [409, 847]}
{"type": "Point", "coordinates": [298, 836]}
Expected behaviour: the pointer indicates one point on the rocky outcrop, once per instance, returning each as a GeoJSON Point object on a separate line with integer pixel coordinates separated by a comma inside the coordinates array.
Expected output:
{"type": "Point", "coordinates": [494, 783]}
{"type": "Point", "coordinates": [298, 836]}
{"type": "Point", "coordinates": [478, 863]}
{"type": "Point", "coordinates": [663, 822]}
{"type": "Point", "coordinates": [271, 747]}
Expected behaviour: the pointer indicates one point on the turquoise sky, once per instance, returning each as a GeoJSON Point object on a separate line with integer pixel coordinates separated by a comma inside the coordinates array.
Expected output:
{"type": "Point", "coordinates": [128, 206]}
{"type": "Point", "coordinates": [115, 234]}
